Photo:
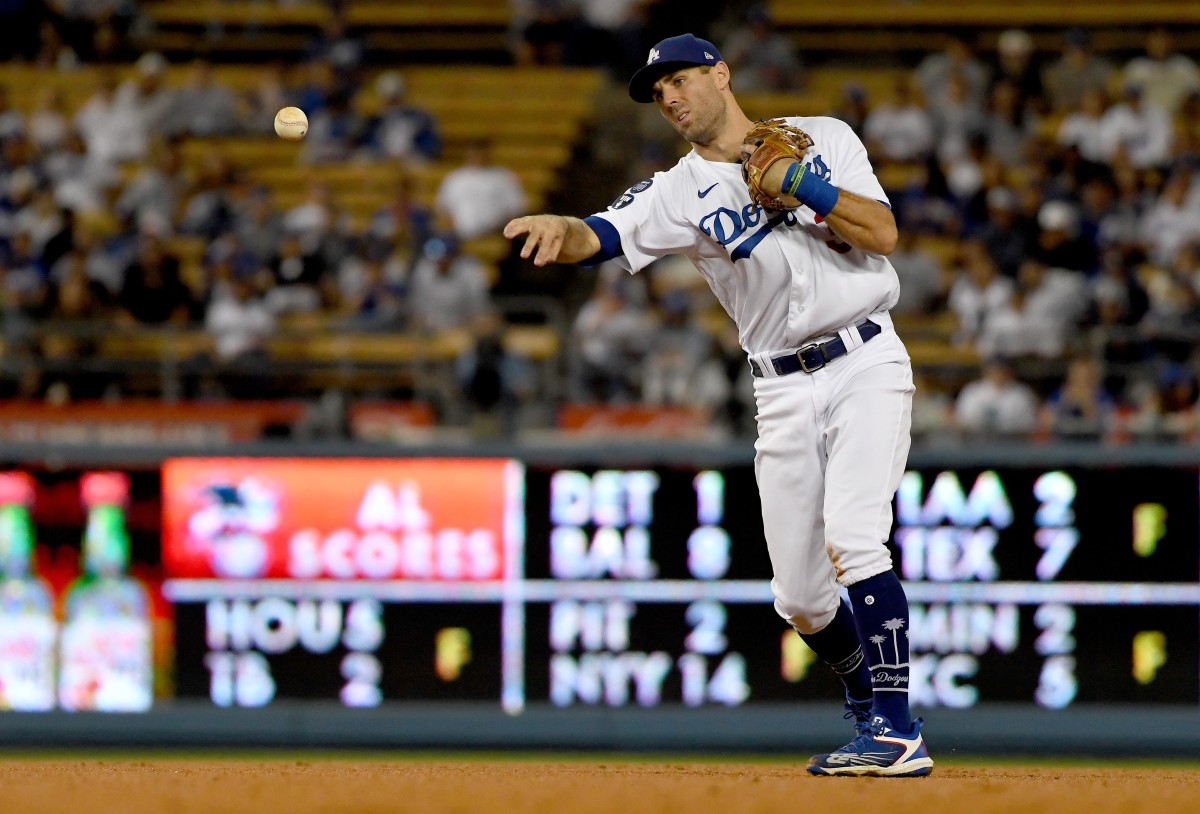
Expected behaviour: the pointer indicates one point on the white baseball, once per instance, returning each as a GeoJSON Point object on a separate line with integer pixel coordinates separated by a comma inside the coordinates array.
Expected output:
{"type": "Point", "coordinates": [291, 124]}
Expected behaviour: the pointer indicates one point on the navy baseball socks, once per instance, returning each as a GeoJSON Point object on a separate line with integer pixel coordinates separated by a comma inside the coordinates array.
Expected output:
{"type": "Point", "coordinates": [888, 742]}
{"type": "Point", "coordinates": [837, 644]}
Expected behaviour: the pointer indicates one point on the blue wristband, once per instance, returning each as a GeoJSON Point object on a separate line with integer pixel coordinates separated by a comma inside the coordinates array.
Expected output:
{"type": "Point", "coordinates": [814, 192]}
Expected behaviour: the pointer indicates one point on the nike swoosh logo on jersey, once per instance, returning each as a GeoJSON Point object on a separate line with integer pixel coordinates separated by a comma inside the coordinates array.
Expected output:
{"type": "Point", "coordinates": [705, 192]}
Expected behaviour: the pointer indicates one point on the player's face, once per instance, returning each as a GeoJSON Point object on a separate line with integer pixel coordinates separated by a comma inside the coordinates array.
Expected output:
{"type": "Point", "coordinates": [691, 102]}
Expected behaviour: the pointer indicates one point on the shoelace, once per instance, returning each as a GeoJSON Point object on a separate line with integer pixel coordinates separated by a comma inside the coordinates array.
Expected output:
{"type": "Point", "coordinates": [863, 731]}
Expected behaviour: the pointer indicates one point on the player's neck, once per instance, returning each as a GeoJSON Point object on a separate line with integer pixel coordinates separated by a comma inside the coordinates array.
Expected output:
{"type": "Point", "coordinates": [727, 147]}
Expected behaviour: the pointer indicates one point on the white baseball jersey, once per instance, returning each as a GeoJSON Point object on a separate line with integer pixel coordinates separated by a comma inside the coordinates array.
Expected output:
{"type": "Point", "coordinates": [783, 277]}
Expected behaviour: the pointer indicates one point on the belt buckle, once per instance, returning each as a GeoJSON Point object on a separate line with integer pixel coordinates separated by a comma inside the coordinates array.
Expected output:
{"type": "Point", "coordinates": [804, 365]}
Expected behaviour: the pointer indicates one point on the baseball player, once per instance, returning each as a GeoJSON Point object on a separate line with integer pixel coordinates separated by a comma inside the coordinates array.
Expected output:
{"type": "Point", "coordinates": [793, 241]}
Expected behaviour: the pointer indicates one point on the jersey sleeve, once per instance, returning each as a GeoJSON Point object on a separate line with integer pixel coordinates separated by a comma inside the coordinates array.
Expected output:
{"type": "Point", "coordinates": [645, 223]}
{"type": "Point", "coordinates": [850, 168]}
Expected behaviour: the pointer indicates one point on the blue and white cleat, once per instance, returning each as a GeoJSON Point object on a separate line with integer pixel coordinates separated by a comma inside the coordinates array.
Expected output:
{"type": "Point", "coordinates": [878, 751]}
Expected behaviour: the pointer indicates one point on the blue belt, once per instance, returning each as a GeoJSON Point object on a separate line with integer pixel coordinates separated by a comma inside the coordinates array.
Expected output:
{"type": "Point", "coordinates": [814, 357]}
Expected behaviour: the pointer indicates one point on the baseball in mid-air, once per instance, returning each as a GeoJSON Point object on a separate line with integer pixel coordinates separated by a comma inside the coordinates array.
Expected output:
{"type": "Point", "coordinates": [291, 124]}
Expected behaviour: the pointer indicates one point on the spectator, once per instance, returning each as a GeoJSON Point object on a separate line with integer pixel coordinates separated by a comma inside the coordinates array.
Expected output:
{"type": "Point", "coordinates": [495, 381]}
{"type": "Point", "coordinates": [1167, 77]}
{"type": "Point", "coordinates": [1077, 72]}
{"type": "Point", "coordinates": [681, 366]}
{"type": "Point", "coordinates": [902, 129]}
{"type": "Point", "coordinates": [1171, 321]}
{"type": "Point", "coordinates": [149, 95]}
{"type": "Point", "coordinates": [41, 219]}
{"type": "Point", "coordinates": [320, 83]}
{"type": "Point", "coordinates": [1005, 234]}
{"type": "Point", "coordinates": [80, 182]}
{"type": "Point", "coordinates": [1171, 223]}
{"type": "Point", "coordinates": [25, 296]}
{"type": "Point", "coordinates": [1037, 319]}
{"type": "Point", "coordinates": [403, 222]}
{"type": "Point", "coordinates": [763, 59]}
{"type": "Point", "coordinates": [977, 291]}
{"type": "Point", "coordinates": [208, 209]}
{"type": "Point", "coordinates": [203, 107]}
{"type": "Point", "coordinates": [853, 108]}
{"type": "Point", "coordinates": [239, 322]}
{"type": "Point", "coordinates": [449, 289]}
{"type": "Point", "coordinates": [934, 71]}
{"type": "Point", "coordinates": [1058, 243]}
{"type": "Point", "coordinates": [1137, 131]}
{"type": "Point", "coordinates": [113, 130]}
{"type": "Point", "coordinates": [957, 119]}
{"type": "Point", "coordinates": [258, 225]}
{"type": "Point", "coordinates": [336, 46]}
{"type": "Point", "coordinates": [401, 130]}
{"type": "Point", "coordinates": [259, 103]}
{"type": "Point", "coordinates": [50, 121]}
{"type": "Point", "coordinates": [540, 30]}
{"type": "Point", "coordinates": [372, 299]}
{"type": "Point", "coordinates": [1080, 407]}
{"type": "Point", "coordinates": [153, 293]}
{"type": "Point", "coordinates": [608, 341]}
{"type": "Point", "coordinates": [314, 218]}
{"type": "Point", "coordinates": [1175, 399]}
{"type": "Point", "coordinates": [158, 186]}
{"type": "Point", "coordinates": [1081, 128]}
{"type": "Point", "coordinates": [610, 34]}
{"type": "Point", "coordinates": [298, 279]}
{"type": "Point", "coordinates": [1017, 64]}
{"type": "Point", "coordinates": [79, 302]}
{"type": "Point", "coordinates": [109, 253]}
{"type": "Point", "coordinates": [1008, 125]}
{"type": "Point", "coordinates": [997, 403]}
{"type": "Point", "coordinates": [336, 131]}
{"type": "Point", "coordinates": [479, 197]}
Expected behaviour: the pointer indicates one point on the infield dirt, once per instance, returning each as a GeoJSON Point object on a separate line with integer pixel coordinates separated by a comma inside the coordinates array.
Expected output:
{"type": "Point", "coordinates": [500, 786]}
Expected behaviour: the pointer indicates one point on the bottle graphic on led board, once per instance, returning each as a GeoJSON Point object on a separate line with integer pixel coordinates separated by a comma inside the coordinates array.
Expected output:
{"type": "Point", "coordinates": [28, 628]}
{"type": "Point", "coordinates": [106, 656]}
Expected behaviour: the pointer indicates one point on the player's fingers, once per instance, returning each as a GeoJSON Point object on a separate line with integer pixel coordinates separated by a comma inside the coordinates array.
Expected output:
{"type": "Point", "coordinates": [531, 243]}
{"type": "Point", "coordinates": [548, 251]}
{"type": "Point", "coordinates": [516, 226]}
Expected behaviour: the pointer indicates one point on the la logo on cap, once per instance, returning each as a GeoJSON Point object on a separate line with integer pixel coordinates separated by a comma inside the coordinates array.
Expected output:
{"type": "Point", "coordinates": [654, 55]}
{"type": "Point", "coordinates": [707, 55]}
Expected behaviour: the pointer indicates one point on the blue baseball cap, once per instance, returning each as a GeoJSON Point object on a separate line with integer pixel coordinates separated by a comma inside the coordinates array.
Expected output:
{"type": "Point", "coordinates": [668, 56]}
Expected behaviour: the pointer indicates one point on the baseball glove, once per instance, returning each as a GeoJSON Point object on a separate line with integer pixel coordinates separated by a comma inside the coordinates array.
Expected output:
{"type": "Point", "coordinates": [772, 140]}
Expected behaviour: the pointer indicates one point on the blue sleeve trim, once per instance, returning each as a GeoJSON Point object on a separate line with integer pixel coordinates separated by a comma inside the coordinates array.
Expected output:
{"type": "Point", "coordinates": [610, 240]}
{"type": "Point", "coordinates": [885, 203]}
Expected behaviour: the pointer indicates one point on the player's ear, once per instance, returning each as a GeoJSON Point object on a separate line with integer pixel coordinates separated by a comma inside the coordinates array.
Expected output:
{"type": "Point", "coordinates": [721, 75]}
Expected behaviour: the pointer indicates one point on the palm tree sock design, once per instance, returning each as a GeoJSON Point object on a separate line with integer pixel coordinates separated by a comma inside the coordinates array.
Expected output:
{"type": "Point", "coordinates": [881, 616]}
{"type": "Point", "coordinates": [838, 645]}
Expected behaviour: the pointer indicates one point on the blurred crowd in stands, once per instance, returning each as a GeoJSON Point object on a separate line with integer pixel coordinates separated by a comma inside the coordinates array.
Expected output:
{"type": "Point", "coordinates": [1048, 200]}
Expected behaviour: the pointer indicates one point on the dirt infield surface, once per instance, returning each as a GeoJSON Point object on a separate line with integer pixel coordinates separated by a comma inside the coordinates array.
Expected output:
{"type": "Point", "coordinates": [344, 785]}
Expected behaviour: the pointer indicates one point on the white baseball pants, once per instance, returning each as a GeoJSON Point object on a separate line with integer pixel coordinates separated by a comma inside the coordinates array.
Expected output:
{"type": "Point", "coordinates": [832, 447]}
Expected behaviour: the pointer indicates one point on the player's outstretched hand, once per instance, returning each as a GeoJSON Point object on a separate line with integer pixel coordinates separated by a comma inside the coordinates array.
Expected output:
{"type": "Point", "coordinates": [545, 233]}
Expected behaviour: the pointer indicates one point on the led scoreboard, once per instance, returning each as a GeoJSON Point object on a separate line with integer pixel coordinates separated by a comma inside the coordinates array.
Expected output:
{"type": "Point", "coordinates": [515, 583]}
